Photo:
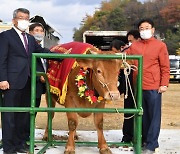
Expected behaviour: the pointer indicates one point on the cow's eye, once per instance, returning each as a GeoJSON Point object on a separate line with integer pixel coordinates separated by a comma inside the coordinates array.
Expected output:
{"type": "Point", "coordinates": [98, 71]}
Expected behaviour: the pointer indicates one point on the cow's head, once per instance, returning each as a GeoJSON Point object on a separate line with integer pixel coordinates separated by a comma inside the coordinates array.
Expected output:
{"type": "Point", "coordinates": [105, 76]}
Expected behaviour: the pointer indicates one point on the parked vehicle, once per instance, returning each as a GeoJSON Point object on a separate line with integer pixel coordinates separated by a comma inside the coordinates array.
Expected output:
{"type": "Point", "coordinates": [103, 39]}
{"type": "Point", "coordinates": [174, 68]}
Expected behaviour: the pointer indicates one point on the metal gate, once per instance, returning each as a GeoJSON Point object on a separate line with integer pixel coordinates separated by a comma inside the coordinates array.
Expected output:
{"type": "Point", "coordinates": [138, 111]}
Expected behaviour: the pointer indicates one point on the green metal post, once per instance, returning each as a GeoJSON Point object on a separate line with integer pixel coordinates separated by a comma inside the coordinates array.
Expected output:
{"type": "Point", "coordinates": [49, 113]}
{"type": "Point", "coordinates": [138, 117]}
{"type": "Point", "coordinates": [48, 97]}
{"type": "Point", "coordinates": [33, 102]}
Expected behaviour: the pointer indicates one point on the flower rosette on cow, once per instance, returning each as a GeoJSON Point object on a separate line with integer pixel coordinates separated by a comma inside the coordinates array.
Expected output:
{"type": "Point", "coordinates": [83, 90]}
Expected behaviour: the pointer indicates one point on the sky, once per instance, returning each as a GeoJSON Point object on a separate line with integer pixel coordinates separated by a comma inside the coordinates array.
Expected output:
{"type": "Point", "coordinates": [63, 15]}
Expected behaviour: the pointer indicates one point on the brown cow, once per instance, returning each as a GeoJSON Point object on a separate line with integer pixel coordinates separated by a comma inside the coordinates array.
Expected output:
{"type": "Point", "coordinates": [103, 79]}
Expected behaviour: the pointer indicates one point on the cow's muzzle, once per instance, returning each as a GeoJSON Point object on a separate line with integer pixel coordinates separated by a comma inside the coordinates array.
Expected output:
{"type": "Point", "coordinates": [112, 95]}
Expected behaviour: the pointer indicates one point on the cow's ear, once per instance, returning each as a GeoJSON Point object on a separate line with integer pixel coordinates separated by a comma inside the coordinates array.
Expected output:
{"type": "Point", "coordinates": [86, 63]}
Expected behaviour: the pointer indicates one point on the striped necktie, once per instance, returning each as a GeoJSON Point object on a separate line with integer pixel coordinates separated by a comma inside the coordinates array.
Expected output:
{"type": "Point", "coordinates": [25, 41]}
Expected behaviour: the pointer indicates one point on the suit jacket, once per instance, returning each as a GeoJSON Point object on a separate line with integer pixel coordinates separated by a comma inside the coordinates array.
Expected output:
{"type": "Point", "coordinates": [40, 87]}
{"type": "Point", "coordinates": [15, 63]}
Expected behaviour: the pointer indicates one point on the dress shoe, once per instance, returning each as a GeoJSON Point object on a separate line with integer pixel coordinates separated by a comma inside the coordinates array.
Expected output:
{"type": "Point", "coordinates": [22, 150]}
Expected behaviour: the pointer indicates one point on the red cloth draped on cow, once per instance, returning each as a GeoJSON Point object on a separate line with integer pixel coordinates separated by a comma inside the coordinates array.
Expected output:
{"type": "Point", "coordinates": [58, 71]}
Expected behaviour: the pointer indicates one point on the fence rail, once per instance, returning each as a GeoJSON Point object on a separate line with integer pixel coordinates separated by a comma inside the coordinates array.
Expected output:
{"type": "Point", "coordinates": [138, 111]}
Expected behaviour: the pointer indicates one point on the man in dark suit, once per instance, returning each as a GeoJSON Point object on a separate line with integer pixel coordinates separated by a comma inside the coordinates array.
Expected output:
{"type": "Point", "coordinates": [16, 48]}
{"type": "Point", "coordinates": [37, 30]}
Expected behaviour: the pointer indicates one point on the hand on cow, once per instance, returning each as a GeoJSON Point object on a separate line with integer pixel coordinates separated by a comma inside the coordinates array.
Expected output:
{"type": "Point", "coordinates": [42, 79]}
{"type": "Point", "coordinates": [4, 85]}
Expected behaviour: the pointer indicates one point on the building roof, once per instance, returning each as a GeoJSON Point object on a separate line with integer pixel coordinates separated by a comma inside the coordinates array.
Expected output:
{"type": "Point", "coordinates": [46, 24]}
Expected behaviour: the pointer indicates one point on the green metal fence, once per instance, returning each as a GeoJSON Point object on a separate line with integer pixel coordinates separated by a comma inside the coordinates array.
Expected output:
{"type": "Point", "coordinates": [138, 112]}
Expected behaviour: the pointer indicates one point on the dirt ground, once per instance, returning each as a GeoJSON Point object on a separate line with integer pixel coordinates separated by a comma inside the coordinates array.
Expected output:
{"type": "Point", "coordinates": [170, 114]}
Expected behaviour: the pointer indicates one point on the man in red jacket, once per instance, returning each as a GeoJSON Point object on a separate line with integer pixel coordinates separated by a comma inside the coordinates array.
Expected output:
{"type": "Point", "coordinates": [156, 73]}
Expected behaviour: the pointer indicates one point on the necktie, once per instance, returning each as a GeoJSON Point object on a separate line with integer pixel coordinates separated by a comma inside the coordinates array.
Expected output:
{"type": "Point", "coordinates": [25, 41]}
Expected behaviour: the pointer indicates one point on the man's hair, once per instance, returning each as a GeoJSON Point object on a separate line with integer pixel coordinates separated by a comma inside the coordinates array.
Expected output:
{"type": "Point", "coordinates": [117, 44]}
{"type": "Point", "coordinates": [23, 10]}
{"type": "Point", "coordinates": [36, 24]}
{"type": "Point", "coordinates": [146, 20]}
{"type": "Point", "coordinates": [135, 33]}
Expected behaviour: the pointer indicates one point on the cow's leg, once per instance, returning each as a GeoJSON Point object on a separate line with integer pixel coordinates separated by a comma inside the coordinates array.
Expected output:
{"type": "Point", "coordinates": [102, 145]}
{"type": "Point", "coordinates": [45, 137]}
{"type": "Point", "coordinates": [72, 125]}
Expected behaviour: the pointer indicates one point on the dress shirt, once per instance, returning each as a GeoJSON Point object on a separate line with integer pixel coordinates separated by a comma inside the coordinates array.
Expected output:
{"type": "Point", "coordinates": [21, 36]}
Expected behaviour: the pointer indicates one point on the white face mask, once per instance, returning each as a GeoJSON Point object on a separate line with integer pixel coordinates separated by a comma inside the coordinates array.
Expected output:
{"type": "Point", "coordinates": [23, 24]}
{"type": "Point", "coordinates": [146, 34]}
{"type": "Point", "coordinates": [130, 43]}
{"type": "Point", "coordinates": [39, 37]}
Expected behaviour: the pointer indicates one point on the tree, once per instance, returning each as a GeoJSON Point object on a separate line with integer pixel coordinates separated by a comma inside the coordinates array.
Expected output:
{"type": "Point", "coordinates": [116, 20]}
{"type": "Point", "coordinates": [134, 11]}
{"type": "Point", "coordinates": [173, 41]}
{"type": "Point", "coordinates": [108, 17]}
{"type": "Point", "coordinates": [86, 24]}
{"type": "Point", "coordinates": [171, 12]}
{"type": "Point", "coordinates": [125, 14]}
{"type": "Point", "coordinates": [100, 20]}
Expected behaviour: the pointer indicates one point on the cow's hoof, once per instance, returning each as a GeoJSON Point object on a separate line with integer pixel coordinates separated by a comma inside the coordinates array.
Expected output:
{"type": "Point", "coordinates": [69, 152]}
{"type": "Point", "coordinates": [105, 151]}
{"type": "Point", "coordinates": [45, 138]}
{"type": "Point", "coordinates": [76, 137]}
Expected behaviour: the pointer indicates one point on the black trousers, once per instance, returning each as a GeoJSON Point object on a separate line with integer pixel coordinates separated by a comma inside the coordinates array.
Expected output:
{"type": "Point", "coordinates": [40, 89]}
{"type": "Point", "coordinates": [129, 122]}
{"type": "Point", "coordinates": [16, 125]}
{"type": "Point", "coordinates": [128, 103]}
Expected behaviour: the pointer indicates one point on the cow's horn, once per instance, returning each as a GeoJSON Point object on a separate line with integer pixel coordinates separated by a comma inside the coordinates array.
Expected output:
{"type": "Point", "coordinates": [92, 52]}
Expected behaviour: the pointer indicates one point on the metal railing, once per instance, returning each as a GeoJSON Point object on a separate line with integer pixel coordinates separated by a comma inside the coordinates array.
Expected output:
{"type": "Point", "coordinates": [138, 111]}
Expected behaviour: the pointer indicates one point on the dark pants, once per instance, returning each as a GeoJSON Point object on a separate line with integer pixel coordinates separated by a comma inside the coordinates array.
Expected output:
{"type": "Point", "coordinates": [38, 102]}
{"type": "Point", "coordinates": [129, 122]}
{"type": "Point", "coordinates": [40, 89]}
{"type": "Point", "coordinates": [151, 118]}
{"type": "Point", "coordinates": [16, 125]}
{"type": "Point", "coordinates": [128, 103]}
